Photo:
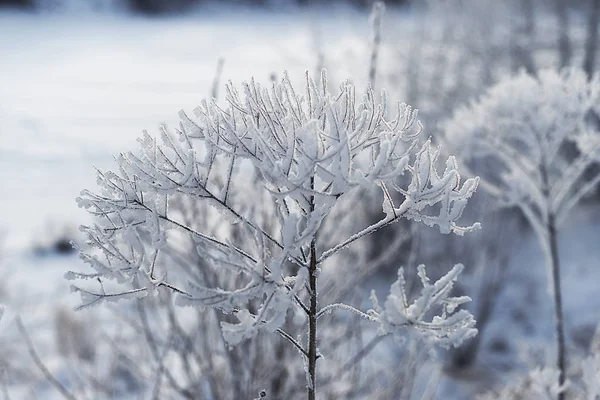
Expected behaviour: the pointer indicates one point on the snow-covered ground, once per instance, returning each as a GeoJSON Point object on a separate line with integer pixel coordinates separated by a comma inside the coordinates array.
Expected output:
{"type": "Point", "coordinates": [77, 88]}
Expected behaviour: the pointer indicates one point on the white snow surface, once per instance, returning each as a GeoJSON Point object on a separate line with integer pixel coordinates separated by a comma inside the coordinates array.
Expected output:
{"type": "Point", "coordinates": [77, 88]}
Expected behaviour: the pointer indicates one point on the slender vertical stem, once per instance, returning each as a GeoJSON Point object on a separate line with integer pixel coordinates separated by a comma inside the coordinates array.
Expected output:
{"type": "Point", "coordinates": [591, 42]}
{"type": "Point", "coordinates": [558, 307]}
{"type": "Point", "coordinates": [376, 22]}
{"type": "Point", "coordinates": [216, 79]}
{"type": "Point", "coordinates": [555, 264]}
{"type": "Point", "coordinates": [564, 43]}
{"type": "Point", "coordinates": [312, 318]}
{"type": "Point", "coordinates": [522, 38]}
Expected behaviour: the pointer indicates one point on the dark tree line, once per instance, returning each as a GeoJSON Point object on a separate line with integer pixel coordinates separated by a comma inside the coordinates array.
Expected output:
{"type": "Point", "coordinates": [170, 6]}
{"type": "Point", "coordinates": [16, 3]}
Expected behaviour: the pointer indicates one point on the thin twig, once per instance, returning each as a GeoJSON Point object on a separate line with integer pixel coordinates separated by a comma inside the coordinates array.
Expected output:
{"type": "Point", "coordinates": [40, 364]}
{"type": "Point", "coordinates": [158, 381]}
{"type": "Point", "coordinates": [361, 354]}
{"type": "Point", "coordinates": [217, 78]}
{"type": "Point", "coordinates": [329, 308]}
{"type": "Point", "coordinates": [375, 17]}
{"type": "Point", "coordinates": [292, 341]}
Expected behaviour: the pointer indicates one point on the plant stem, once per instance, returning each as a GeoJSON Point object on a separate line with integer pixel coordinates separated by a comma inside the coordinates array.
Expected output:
{"type": "Point", "coordinates": [376, 17]}
{"type": "Point", "coordinates": [312, 317]}
{"type": "Point", "coordinates": [40, 364]}
{"type": "Point", "coordinates": [591, 42]}
{"type": "Point", "coordinates": [564, 42]}
{"type": "Point", "coordinates": [312, 320]}
{"type": "Point", "coordinates": [558, 308]}
{"type": "Point", "coordinates": [555, 264]}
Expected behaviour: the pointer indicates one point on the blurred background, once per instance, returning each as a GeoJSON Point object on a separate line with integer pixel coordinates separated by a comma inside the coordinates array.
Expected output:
{"type": "Point", "coordinates": [81, 79]}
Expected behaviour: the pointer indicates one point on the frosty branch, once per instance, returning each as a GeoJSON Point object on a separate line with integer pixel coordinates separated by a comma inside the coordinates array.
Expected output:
{"type": "Point", "coordinates": [289, 156]}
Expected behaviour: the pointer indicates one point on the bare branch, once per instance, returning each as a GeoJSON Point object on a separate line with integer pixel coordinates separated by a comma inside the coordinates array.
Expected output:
{"type": "Point", "coordinates": [40, 364]}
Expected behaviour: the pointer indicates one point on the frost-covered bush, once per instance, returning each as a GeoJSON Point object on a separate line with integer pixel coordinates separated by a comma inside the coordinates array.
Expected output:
{"type": "Point", "coordinates": [542, 384]}
{"type": "Point", "coordinates": [536, 143]}
{"type": "Point", "coordinates": [538, 136]}
{"type": "Point", "coordinates": [274, 164]}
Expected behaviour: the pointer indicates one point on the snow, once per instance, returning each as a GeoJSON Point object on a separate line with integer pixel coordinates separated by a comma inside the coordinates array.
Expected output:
{"type": "Point", "coordinates": [76, 89]}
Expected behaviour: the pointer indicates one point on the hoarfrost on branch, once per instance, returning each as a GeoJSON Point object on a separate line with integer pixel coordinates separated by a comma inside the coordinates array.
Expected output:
{"type": "Point", "coordinates": [269, 148]}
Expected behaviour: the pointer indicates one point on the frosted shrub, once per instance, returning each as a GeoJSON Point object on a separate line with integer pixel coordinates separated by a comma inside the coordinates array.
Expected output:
{"type": "Point", "coordinates": [543, 134]}
{"type": "Point", "coordinates": [539, 139]}
{"type": "Point", "coordinates": [542, 384]}
{"type": "Point", "coordinates": [273, 163]}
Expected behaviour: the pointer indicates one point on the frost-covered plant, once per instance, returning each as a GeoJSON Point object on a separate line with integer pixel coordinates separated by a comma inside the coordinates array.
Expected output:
{"type": "Point", "coordinates": [590, 376]}
{"type": "Point", "coordinates": [542, 134]}
{"type": "Point", "coordinates": [447, 329]}
{"type": "Point", "coordinates": [295, 156]}
{"type": "Point", "coordinates": [542, 384]}
{"type": "Point", "coordinates": [539, 139]}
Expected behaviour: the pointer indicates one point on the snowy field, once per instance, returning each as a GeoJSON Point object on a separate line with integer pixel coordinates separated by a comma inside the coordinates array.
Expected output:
{"type": "Point", "coordinates": [75, 89]}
